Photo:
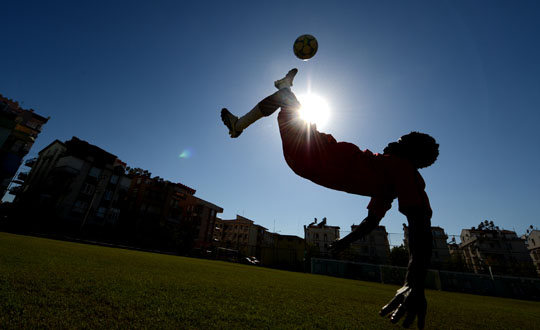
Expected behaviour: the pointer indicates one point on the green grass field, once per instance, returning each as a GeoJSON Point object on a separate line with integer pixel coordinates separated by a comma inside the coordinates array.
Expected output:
{"type": "Point", "coordinates": [61, 285]}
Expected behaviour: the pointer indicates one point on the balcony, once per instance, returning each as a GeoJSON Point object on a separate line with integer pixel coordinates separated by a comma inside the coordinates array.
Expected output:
{"type": "Point", "coordinates": [70, 164]}
{"type": "Point", "coordinates": [22, 176]}
{"type": "Point", "coordinates": [16, 190]}
{"type": "Point", "coordinates": [30, 162]}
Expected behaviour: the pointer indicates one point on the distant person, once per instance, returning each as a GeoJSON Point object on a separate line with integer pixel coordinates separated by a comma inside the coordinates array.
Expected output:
{"type": "Point", "coordinates": [383, 177]}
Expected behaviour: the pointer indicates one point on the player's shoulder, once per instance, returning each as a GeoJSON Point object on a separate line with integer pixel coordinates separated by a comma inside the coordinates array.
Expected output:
{"type": "Point", "coordinates": [396, 164]}
{"type": "Point", "coordinates": [369, 153]}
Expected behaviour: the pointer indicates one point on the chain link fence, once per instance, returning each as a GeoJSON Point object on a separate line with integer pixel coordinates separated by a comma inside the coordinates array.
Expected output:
{"type": "Point", "coordinates": [499, 286]}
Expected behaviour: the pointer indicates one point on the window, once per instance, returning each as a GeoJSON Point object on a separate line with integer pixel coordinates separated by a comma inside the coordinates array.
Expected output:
{"type": "Point", "coordinates": [87, 189]}
{"type": "Point", "coordinates": [108, 195]}
{"type": "Point", "coordinates": [79, 206]}
{"type": "Point", "coordinates": [100, 213]}
{"type": "Point", "coordinates": [325, 238]}
{"type": "Point", "coordinates": [113, 214]}
{"type": "Point", "coordinates": [94, 172]}
{"type": "Point", "coordinates": [17, 146]}
{"type": "Point", "coordinates": [33, 124]}
{"type": "Point", "coordinates": [114, 179]}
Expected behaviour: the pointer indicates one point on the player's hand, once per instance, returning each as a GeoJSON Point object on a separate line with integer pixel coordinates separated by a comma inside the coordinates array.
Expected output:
{"type": "Point", "coordinates": [409, 301]}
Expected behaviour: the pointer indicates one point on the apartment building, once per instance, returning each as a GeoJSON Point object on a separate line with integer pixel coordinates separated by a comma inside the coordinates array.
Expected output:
{"type": "Point", "coordinates": [76, 183]}
{"type": "Point", "coordinates": [533, 245]}
{"type": "Point", "coordinates": [372, 248]}
{"type": "Point", "coordinates": [158, 209]}
{"type": "Point", "coordinates": [321, 235]}
{"type": "Point", "coordinates": [285, 252]}
{"type": "Point", "coordinates": [440, 253]}
{"type": "Point", "coordinates": [495, 250]}
{"type": "Point", "coordinates": [154, 199]}
{"type": "Point", "coordinates": [238, 234]}
{"type": "Point", "coordinates": [19, 129]}
{"type": "Point", "coordinates": [202, 215]}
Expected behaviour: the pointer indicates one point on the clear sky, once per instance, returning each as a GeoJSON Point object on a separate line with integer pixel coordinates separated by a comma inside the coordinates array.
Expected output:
{"type": "Point", "coordinates": [146, 80]}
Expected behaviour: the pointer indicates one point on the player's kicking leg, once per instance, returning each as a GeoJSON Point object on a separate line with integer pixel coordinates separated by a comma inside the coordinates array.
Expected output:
{"type": "Point", "coordinates": [237, 125]}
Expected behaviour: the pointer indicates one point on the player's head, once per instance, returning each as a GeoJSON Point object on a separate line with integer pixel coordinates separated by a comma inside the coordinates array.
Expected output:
{"type": "Point", "coordinates": [420, 148]}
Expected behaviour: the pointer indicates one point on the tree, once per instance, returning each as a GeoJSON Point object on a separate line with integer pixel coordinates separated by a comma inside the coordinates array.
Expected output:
{"type": "Point", "coordinates": [399, 256]}
{"type": "Point", "coordinates": [487, 225]}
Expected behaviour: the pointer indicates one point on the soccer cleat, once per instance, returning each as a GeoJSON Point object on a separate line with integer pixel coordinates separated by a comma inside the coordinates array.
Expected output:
{"type": "Point", "coordinates": [287, 81]}
{"type": "Point", "coordinates": [230, 121]}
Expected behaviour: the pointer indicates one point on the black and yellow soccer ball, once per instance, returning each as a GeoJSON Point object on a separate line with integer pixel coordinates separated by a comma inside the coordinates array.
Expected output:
{"type": "Point", "coordinates": [305, 47]}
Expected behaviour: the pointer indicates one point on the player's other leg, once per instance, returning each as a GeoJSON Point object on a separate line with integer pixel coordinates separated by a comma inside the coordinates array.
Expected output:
{"type": "Point", "coordinates": [263, 109]}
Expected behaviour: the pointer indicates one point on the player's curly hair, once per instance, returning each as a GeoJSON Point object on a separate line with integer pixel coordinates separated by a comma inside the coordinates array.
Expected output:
{"type": "Point", "coordinates": [420, 148]}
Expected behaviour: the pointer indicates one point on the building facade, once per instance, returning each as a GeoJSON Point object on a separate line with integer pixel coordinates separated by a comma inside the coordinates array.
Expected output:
{"type": "Point", "coordinates": [160, 211]}
{"type": "Point", "coordinates": [84, 187]}
{"type": "Point", "coordinates": [321, 235]}
{"type": "Point", "coordinates": [440, 253]}
{"type": "Point", "coordinates": [156, 200]}
{"type": "Point", "coordinates": [241, 237]}
{"type": "Point", "coordinates": [286, 252]}
{"type": "Point", "coordinates": [533, 245]}
{"type": "Point", "coordinates": [372, 248]}
{"type": "Point", "coordinates": [202, 215]}
{"type": "Point", "coordinates": [19, 129]}
{"type": "Point", "coordinates": [76, 183]}
{"type": "Point", "coordinates": [239, 234]}
{"type": "Point", "coordinates": [495, 251]}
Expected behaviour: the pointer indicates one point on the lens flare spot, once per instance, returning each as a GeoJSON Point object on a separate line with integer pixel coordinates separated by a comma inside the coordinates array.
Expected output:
{"type": "Point", "coordinates": [186, 154]}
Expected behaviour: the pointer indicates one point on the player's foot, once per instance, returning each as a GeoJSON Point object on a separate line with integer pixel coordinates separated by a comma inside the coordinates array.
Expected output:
{"type": "Point", "coordinates": [287, 81]}
{"type": "Point", "coordinates": [230, 121]}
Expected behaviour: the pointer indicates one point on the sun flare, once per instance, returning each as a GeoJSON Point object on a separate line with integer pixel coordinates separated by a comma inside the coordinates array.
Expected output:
{"type": "Point", "coordinates": [314, 109]}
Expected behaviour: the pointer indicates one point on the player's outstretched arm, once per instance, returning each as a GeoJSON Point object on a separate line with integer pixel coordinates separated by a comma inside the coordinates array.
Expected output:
{"type": "Point", "coordinates": [366, 226]}
{"type": "Point", "coordinates": [410, 300]}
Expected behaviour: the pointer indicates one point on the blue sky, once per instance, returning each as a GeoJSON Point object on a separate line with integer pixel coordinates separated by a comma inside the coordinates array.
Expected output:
{"type": "Point", "coordinates": [146, 81]}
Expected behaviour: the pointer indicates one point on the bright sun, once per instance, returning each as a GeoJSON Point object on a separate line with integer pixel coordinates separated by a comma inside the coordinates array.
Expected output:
{"type": "Point", "coordinates": [314, 109]}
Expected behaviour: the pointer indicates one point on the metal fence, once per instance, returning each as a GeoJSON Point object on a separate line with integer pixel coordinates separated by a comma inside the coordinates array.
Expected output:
{"type": "Point", "coordinates": [499, 286]}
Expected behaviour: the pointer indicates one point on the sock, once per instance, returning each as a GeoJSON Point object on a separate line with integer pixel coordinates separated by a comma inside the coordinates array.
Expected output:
{"type": "Point", "coordinates": [283, 83]}
{"type": "Point", "coordinates": [248, 119]}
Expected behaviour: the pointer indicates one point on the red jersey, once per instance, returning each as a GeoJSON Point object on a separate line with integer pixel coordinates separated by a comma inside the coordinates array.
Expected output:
{"type": "Point", "coordinates": [343, 166]}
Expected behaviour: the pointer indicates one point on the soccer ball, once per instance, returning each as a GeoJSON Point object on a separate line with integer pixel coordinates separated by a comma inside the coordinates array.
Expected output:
{"type": "Point", "coordinates": [305, 47]}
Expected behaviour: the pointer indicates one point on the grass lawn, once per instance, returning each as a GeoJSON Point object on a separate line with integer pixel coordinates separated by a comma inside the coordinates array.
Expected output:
{"type": "Point", "coordinates": [61, 285]}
